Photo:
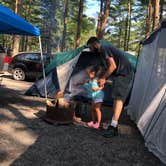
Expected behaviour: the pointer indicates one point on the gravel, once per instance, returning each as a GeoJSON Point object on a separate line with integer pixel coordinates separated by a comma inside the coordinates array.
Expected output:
{"type": "Point", "coordinates": [27, 140]}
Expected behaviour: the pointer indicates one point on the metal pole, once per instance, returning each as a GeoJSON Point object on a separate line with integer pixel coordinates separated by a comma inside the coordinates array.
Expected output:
{"type": "Point", "coordinates": [44, 75]}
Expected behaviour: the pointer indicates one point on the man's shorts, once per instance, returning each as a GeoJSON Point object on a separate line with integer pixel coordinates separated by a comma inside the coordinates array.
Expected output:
{"type": "Point", "coordinates": [122, 86]}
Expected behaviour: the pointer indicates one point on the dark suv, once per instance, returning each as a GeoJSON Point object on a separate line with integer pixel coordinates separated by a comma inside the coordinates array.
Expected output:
{"type": "Point", "coordinates": [27, 65]}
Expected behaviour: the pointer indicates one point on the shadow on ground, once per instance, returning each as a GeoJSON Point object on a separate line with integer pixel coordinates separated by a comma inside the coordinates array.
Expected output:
{"type": "Point", "coordinates": [27, 140]}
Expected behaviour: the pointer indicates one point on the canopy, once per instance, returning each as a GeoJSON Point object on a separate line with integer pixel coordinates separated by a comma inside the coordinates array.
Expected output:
{"type": "Point", "coordinates": [10, 23]}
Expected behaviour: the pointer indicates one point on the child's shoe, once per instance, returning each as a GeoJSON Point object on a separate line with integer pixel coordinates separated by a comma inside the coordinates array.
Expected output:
{"type": "Point", "coordinates": [90, 124]}
{"type": "Point", "coordinates": [95, 125]}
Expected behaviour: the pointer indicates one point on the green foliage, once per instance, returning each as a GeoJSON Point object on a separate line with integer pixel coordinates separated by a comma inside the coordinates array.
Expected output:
{"type": "Point", "coordinates": [39, 13]}
{"type": "Point", "coordinates": [115, 30]}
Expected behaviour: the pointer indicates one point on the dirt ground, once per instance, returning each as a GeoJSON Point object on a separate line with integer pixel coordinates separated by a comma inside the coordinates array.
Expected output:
{"type": "Point", "coordinates": [27, 140]}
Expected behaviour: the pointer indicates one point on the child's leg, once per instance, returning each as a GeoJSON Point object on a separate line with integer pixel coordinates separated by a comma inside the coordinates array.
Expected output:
{"type": "Point", "coordinates": [97, 112]}
{"type": "Point", "coordinates": [93, 112]}
{"type": "Point", "coordinates": [76, 119]}
{"type": "Point", "coordinates": [96, 116]}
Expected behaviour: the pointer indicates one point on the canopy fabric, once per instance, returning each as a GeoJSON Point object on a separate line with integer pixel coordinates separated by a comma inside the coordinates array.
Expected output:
{"type": "Point", "coordinates": [11, 23]}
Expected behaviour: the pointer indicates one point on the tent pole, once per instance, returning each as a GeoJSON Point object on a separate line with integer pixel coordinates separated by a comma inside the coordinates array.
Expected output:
{"type": "Point", "coordinates": [44, 75]}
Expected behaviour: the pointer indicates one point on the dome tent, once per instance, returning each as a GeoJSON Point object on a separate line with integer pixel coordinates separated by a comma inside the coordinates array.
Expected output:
{"type": "Point", "coordinates": [147, 105]}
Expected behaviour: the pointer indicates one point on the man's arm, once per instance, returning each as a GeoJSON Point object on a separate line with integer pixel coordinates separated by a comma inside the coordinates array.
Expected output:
{"type": "Point", "coordinates": [98, 89]}
{"type": "Point", "coordinates": [111, 68]}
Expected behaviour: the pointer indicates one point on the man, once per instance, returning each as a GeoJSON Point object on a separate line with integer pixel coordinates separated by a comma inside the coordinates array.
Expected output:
{"type": "Point", "coordinates": [117, 66]}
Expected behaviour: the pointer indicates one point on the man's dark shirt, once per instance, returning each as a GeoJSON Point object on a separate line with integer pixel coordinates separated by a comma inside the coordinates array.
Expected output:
{"type": "Point", "coordinates": [123, 65]}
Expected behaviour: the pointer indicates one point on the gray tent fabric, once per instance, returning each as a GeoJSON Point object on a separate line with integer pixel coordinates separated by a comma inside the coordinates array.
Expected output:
{"type": "Point", "coordinates": [52, 86]}
{"type": "Point", "coordinates": [86, 60]}
{"type": "Point", "coordinates": [63, 75]}
{"type": "Point", "coordinates": [147, 105]}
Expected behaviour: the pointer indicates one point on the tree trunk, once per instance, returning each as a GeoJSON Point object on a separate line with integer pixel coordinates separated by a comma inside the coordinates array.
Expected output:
{"type": "Point", "coordinates": [64, 25]}
{"type": "Point", "coordinates": [127, 26]}
{"type": "Point", "coordinates": [119, 36]}
{"type": "Point", "coordinates": [148, 19]}
{"type": "Point", "coordinates": [24, 41]}
{"type": "Point", "coordinates": [99, 18]}
{"type": "Point", "coordinates": [102, 18]}
{"type": "Point", "coordinates": [79, 23]}
{"type": "Point", "coordinates": [16, 38]}
{"type": "Point", "coordinates": [51, 25]}
{"type": "Point", "coordinates": [156, 14]}
{"type": "Point", "coordinates": [161, 9]}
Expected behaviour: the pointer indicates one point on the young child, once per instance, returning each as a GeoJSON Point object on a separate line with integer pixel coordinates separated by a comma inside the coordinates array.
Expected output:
{"type": "Point", "coordinates": [94, 91]}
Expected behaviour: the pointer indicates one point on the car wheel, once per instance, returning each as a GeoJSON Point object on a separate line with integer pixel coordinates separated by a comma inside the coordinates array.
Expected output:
{"type": "Point", "coordinates": [18, 74]}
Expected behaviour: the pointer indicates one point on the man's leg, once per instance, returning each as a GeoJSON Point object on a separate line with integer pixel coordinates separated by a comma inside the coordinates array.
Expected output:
{"type": "Point", "coordinates": [113, 128]}
{"type": "Point", "coordinates": [120, 91]}
{"type": "Point", "coordinates": [118, 105]}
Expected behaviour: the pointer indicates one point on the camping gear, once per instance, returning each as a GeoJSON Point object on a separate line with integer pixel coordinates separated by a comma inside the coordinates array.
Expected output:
{"type": "Point", "coordinates": [147, 105]}
{"type": "Point", "coordinates": [59, 111]}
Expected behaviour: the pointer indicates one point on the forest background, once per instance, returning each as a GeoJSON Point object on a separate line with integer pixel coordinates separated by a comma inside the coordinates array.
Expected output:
{"type": "Point", "coordinates": [67, 24]}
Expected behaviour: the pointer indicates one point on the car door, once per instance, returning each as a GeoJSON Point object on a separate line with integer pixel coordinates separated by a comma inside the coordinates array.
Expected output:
{"type": "Point", "coordinates": [33, 64]}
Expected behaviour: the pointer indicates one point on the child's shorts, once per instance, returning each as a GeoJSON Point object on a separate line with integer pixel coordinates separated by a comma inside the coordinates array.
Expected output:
{"type": "Point", "coordinates": [99, 100]}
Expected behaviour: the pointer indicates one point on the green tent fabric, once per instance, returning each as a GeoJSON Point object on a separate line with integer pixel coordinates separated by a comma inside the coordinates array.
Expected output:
{"type": "Point", "coordinates": [63, 57]}
{"type": "Point", "coordinates": [132, 59]}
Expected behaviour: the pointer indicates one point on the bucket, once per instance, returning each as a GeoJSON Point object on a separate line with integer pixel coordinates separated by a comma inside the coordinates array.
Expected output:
{"type": "Point", "coordinates": [59, 111]}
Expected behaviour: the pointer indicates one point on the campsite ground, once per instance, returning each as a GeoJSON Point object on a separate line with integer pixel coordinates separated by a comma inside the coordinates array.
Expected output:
{"type": "Point", "coordinates": [27, 140]}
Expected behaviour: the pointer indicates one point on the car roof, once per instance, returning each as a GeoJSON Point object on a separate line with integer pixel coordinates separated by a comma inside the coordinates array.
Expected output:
{"type": "Point", "coordinates": [20, 53]}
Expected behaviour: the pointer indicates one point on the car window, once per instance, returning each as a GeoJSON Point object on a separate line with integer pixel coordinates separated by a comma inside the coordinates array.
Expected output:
{"type": "Point", "coordinates": [33, 57]}
{"type": "Point", "coordinates": [46, 56]}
